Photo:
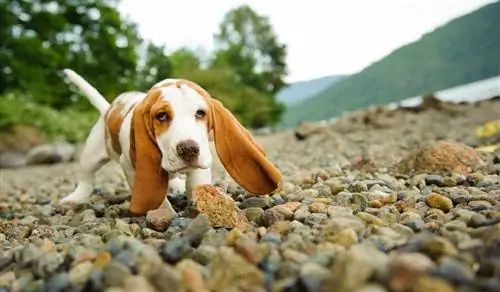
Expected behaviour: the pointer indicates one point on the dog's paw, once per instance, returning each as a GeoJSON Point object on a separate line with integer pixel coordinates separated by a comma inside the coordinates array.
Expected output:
{"type": "Point", "coordinates": [177, 186]}
{"type": "Point", "coordinates": [73, 198]}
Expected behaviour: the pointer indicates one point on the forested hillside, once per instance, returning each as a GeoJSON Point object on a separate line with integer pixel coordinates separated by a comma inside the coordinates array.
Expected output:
{"type": "Point", "coordinates": [302, 90]}
{"type": "Point", "coordinates": [464, 50]}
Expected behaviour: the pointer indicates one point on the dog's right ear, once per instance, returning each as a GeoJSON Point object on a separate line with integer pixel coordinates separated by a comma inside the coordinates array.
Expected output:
{"type": "Point", "coordinates": [241, 155]}
{"type": "Point", "coordinates": [151, 180]}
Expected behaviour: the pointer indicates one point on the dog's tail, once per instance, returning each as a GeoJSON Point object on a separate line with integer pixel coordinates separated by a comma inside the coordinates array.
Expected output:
{"type": "Point", "coordinates": [95, 98]}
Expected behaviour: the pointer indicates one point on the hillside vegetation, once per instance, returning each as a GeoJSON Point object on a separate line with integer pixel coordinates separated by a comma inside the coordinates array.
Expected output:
{"type": "Point", "coordinates": [464, 50]}
{"type": "Point", "coordinates": [301, 90]}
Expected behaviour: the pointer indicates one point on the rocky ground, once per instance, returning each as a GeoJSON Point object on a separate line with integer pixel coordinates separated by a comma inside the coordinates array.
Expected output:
{"type": "Point", "coordinates": [371, 203]}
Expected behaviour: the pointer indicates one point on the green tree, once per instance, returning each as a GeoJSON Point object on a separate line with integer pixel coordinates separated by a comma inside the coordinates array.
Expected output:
{"type": "Point", "coordinates": [184, 60]}
{"type": "Point", "coordinates": [155, 66]}
{"type": "Point", "coordinates": [247, 43]}
{"type": "Point", "coordinates": [41, 37]}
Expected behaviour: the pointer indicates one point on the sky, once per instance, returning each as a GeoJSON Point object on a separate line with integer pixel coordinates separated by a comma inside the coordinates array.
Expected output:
{"type": "Point", "coordinates": [324, 37]}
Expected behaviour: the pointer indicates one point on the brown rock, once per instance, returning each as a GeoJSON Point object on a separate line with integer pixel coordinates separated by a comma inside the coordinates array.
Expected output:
{"type": "Point", "coordinates": [442, 156]}
{"type": "Point", "coordinates": [406, 268]}
{"type": "Point", "coordinates": [220, 208]}
{"type": "Point", "coordinates": [231, 272]}
{"type": "Point", "coordinates": [248, 249]}
{"type": "Point", "coordinates": [439, 202]}
{"type": "Point", "coordinates": [275, 214]}
{"type": "Point", "coordinates": [292, 206]}
{"type": "Point", "coordinates": [159, 219]}
{"type": "Point", "coordinates": [192, 276]}
{"type": "Point", "coordinates": [318, 208]}
{"type": "Point", "coordinates": [281, 227]}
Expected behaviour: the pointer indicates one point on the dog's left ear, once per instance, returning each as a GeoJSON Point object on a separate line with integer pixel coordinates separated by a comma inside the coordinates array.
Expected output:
{"type": "Point", "coordinates": [242, 157]}
{"type": "Point", "coordinates": [151, 180]}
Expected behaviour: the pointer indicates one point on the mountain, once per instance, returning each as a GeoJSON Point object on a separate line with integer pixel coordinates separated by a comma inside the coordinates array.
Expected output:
{"type": "Point", "coordinates": [299, 91]}
{"type": "Point", "coordinates": [464, 50]}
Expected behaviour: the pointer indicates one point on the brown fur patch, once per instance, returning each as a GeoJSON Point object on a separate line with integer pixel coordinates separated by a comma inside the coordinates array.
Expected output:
{"type": "Point", "coordinates": [114, 121]}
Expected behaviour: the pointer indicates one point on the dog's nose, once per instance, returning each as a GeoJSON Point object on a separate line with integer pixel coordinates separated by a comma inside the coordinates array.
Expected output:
{"type": "Point", "coordinates": [188, 150]}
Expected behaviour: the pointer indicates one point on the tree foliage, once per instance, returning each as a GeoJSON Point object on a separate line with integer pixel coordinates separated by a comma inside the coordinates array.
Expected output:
{"type": "Point", "coordinates": [41, 37]}
{"type": "Point", "coordinates": [464, 50]}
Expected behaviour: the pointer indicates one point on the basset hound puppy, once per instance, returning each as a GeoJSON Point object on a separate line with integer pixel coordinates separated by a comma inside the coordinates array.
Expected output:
{"type": "Point", "coordinates": [160, 135]}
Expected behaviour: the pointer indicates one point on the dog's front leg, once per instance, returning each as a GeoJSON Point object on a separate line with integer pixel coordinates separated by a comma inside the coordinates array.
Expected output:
{"type": "Point", "coordinates": [195, 178]}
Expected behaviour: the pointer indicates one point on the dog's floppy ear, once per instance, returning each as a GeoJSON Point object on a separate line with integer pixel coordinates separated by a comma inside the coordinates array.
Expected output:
{"type": "Point", "coordinates": [242, 157]}
{"type": "Point", "coordinates": [151, 180]}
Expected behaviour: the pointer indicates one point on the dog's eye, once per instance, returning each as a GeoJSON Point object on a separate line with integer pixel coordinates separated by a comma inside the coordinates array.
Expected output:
{"type": "Point", "coordinates": [200, 114]}
{"type": "Point", "coordinates": [162, 117]}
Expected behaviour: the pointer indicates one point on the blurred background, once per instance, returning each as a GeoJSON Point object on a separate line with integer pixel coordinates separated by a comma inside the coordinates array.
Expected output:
{"type": "Point", "coordinates": [273, 65]}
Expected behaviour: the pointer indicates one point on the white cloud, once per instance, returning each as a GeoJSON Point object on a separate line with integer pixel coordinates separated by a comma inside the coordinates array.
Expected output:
{"type": "Point", "coordinates": [323, 36]}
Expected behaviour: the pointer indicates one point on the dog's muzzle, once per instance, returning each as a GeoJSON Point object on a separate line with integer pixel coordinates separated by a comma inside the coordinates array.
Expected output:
{"type": "Point", "coordinates": [188, 150]}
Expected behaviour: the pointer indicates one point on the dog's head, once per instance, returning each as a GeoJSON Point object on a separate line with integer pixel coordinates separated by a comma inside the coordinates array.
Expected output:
{"type": "Point", "coordinates": [170, 133]}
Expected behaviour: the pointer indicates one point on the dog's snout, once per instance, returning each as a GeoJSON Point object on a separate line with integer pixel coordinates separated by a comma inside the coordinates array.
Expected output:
{"type": "Point", "coordinates": [188, 150]}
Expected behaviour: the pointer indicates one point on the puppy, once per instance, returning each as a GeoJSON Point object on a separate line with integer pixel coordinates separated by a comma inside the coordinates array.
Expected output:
{"type": "Point", "coordinates": [160, 135]}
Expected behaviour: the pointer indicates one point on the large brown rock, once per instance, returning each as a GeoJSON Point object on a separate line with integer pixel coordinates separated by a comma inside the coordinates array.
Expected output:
{"type": "Point", "coordinates": [220, 208]}
{"type": "Point", "coordinates": [439, 157]}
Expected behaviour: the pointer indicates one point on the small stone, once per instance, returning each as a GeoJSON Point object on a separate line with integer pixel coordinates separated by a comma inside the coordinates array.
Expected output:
{"type": "Point", "coordinates": [406, 268]}
{"type": "Point", "coordinates": [79, 274]}
{"type": "Point", "coordinates": [159, 219]}
{"type": "Point", "coordinates": [346, 237]}
{"type": "Point", "coordinates": [313, 276]}
{"type": "Point", "coordinates": [204, 254]}
{"type": "Point", "coordinates": [375, 204]}
{"type": "Point", "coordinates": [7, 279]}
{"type": "Point", "coordinates": [231, 272]}
{"type": "Point", "coordinates": [197, 228]}
{"type": "Point", "coordinates": [47, 264]}
{"type": "Point", "coordinates": [253, 214]}
{"type": "Point", "coordinates": [292, 206]}
{"type": "Point", "coordinates": [175, 249]}
{"type": "Point", "coordinates": [275, 214]}
{"type": "Point", "coordinates": [114, 274]}
{"type": "Point", "coordinates": [248, 249]}
{"type": "Point", "coordinates": [454, 271]}
{"type": "Point", "coordinates": [315, 219]}
{"type": "Point", "coordinates": [318, 208]}
{"type": "Point", "coordinates": [352, 269]}
{"type": "Point", "coordinates": [137, 283]}
{"type": "Point", "coordinates": [301, 214]}
{"type": "Point", "coordinates": [370, 219]}
{"type": "Point", "coordinates": [192, 276]}
{"type": "Point", "coordinates": [256, 202]}
{"type": "Point", "coordinates": [122, 226]}
{"type": "Point", "coordinates": [102, 259]}
{"type": "Point", "coordinates": [434, 179]}
{"type": "Point", "coordinates": [439, 202]}
{"type": "Point", "coordinates": [479, 205]}
{"type": "Point", "coordinates": [431, 284]}
{"type": "Point", "coordinates": [281, 227]}
{"type": "Point", "coordinates": [29, 221]}
{"type": "Point", "coordinates": [58, 283]}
